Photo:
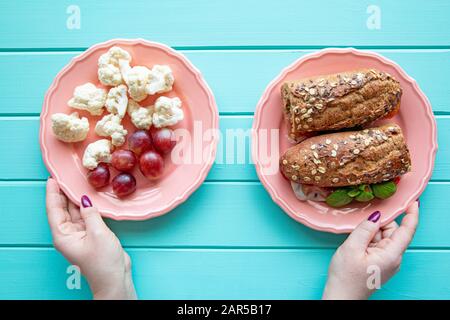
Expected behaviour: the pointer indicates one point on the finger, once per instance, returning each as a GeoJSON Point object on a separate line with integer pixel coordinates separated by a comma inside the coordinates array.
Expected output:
{"type": "Point", "coordinates": [378, 236]}
{"type": "Point", "coordinates": [74, 212]}
{"type": "Point", "coordinates": [91, 217]}
{"type": "Point", "coordinates": [402, 237]}
{"type": "Point", "coordinates": [364, 233]}
{"type": "Point", "coordinates": [389, 229]}
{"type": "Point", "coordinates": [56, 213]}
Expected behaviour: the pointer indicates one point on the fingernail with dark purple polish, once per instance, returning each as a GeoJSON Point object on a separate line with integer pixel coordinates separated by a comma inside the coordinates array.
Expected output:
{"type": "Point", "coordinates": [86, 202]}
{"type": "Point", "coordinates": [418, 202]}
{"type": "Point", "coordinates": [375, 216]}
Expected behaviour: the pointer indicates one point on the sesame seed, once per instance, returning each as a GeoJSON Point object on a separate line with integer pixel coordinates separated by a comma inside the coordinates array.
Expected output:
{"type": "Point", "coordinates": [306, 179]}
{"type": "Point", "coordinates": [310, 119]}
{"type": "Point", "coordinates": [367, 142]}
{"type": "Point", "coordinates": [356, 151]}
{"type": "Point", "coordinates": [352, 136]}
{"type": "Point", "coordinates": [328, 141]}
{"type": "Point", "coordinates": [285, 162]}
{"type": "Point", "coordinates": [335, 146]}
{"type": "Point", "coordinates": [333, 153]}
{"type": "Point", "coordinates": [313, 171]}
{"type": "Point", "coordinates": [322, 169]}
{"type": "Point", "coordinates": [313, 146]}
{"type": "Point", "coordinates": [317, 178]}
{"type": "Point", "coordinates": [305, 126]}
{"type": "Point", "coordinates": [335, 180]}
{"type": "Point", "coordinates": [316, 155]}
{"type": "Point", "coordinates": [294, 177]}
{"type": "Point", "coordinates": [303, 110]}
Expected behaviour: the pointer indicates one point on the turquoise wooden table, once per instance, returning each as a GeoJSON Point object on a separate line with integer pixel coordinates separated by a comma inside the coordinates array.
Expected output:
{"type": "Point", "coordinates": [229, 240]}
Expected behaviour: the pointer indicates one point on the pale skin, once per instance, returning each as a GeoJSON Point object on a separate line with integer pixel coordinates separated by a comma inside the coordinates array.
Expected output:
{"type": "Point", "coordinates": [369, 245]}
{"type": "Point", "coordinates": [86, 241]}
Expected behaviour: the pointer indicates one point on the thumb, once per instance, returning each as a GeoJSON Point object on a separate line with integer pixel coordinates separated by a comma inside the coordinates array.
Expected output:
{"type": "Point", "coordinates": [361, 237]}
{"type": "Point", "coordinates": [91, 217]}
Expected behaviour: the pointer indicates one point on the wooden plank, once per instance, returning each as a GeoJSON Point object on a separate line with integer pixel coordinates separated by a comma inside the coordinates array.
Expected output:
{"type": "Point", "coordinates": [232, 214]}
{"type": "Point", "coordinates": [27, 75]}
{"type": "Point", "coordinates": [220, 23]}
{"type": "Point", "coordinates": [218, 274]}
{"type": "Point", "coordinates": [25, 154]}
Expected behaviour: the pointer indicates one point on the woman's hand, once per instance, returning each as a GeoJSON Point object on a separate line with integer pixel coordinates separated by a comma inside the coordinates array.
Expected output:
{"type": "Point", "coordinates": [369, 249]}
{"type": "Point", "coordinates": [84, 239]}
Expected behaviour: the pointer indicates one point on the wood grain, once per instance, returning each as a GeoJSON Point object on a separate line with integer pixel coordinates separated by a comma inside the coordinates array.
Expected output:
{"type": "Point", "coordinates": [43, 24]}
{"type": "Point", "coordinates": [25, 154]}
{"type": "Point", "coordinates": [219, 274]}
{"type": "Point", "coordinates": [219, 214]}
{"type": "Point", "coordinates": [27, 75]}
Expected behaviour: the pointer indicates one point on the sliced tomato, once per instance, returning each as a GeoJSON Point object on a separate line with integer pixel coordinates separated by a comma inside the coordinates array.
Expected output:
{"type": "Point", "coordinates": [393, 112]}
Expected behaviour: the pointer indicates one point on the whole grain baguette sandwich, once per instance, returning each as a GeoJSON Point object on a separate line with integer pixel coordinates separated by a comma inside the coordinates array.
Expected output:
{"type": "Point", "coordinates": [339, 101]}
{"type": "Point", "coordinates": [348, 158]}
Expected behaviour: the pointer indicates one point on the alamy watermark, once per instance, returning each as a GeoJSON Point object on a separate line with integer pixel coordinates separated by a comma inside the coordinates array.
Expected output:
{"type": "Point", "coordinates": [73, 281]}
{"type": "Point", "coordinates": [73, 21]}
{"type": "Point", "coordinates": [374, 20]}
{"type": "Point", "coordinates": [234, 146]}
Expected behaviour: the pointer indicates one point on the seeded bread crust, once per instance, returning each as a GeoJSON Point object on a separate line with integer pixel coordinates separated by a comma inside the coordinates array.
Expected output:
{"type": "Point", "coordinates": [338, 101]}
{"type": "Point", "coordinates": [348, 158]}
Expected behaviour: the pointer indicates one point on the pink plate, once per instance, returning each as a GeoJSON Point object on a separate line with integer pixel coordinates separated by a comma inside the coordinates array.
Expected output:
{"type": "Point", "coordinates": [151, 199]}
{"type": "Point", "coordinates": [415, 118]}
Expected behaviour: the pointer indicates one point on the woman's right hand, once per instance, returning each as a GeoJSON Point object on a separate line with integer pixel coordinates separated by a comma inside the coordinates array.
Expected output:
{"type": "Point", "coordinates": [81, 235]}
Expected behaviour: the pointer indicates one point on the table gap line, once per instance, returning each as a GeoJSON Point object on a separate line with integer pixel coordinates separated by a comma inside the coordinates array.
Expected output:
{"type": "Point", "coordinates": [217, 247]}
{"type": "Point", "coordinates": [245, 47]}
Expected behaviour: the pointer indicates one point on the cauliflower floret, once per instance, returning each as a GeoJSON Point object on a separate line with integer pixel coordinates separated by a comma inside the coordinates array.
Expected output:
{"type": "Point", "coordinates": [109, 75]}
{"type": "Point", "coordinates": [117, 100]}
{"type": "Point", "coordinates": [140, 116]}
{"type": "Point", "coordinates": [110, 126]}
{"type": "Point", "coordinates": [96, 152]}
{"type": "Point", "coordinates": [137, 80]}
{"type": "Point", "coordinates": [161, 79]}
{"type": "Point", "coordinates": [167, 112]}
{"type": "Point", "coordinates": [88, 97]}
{"type": "Point", "coordinates": [69, 128]}
{"type": "Point", "coordinates": [111, 64]}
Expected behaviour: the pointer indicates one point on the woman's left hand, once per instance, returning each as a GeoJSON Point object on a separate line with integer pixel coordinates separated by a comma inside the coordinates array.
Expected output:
{"type": "Point", "coordinates": [367, 249]}
{"type": "Point", "coordinates": [82, 236]}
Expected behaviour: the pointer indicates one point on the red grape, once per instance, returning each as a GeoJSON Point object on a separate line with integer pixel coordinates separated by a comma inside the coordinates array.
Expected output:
{"type": "Point", "coordinates": [123, 160]}
{"type": "Point", "coordinates": [163, 139]}
{"type": "Point", "coordinates": [123, 184]}
{"type": "Point", "coordinates": [139, 142]}
{"type": "Point", "coordinates": [99, 177]}
{"type": "Point", "coordinates": [151, 165]}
